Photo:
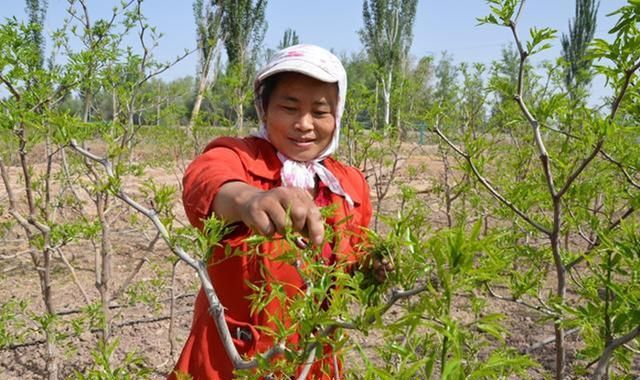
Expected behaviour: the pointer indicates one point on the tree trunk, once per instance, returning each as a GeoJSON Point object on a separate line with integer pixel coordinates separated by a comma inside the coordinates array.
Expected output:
{"type": "Point", "coordinates": [202, 86]}
{"type": "Point", "coordinates": [158, 111]}
{"type": "Point", "coordinates": [105, 264]}
{"type": "Point", "coordinates": [240, 116]}
{"type": "Point", "coordinates": [386, 96]}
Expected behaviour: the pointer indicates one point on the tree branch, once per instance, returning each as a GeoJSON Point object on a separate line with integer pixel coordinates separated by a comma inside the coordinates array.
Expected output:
{"type": "Point", "coordinates": [12, 201]}
{"type": "Point", "coordinates": [622, 168]}
{"type": "Point", "coordinates": [12, 89]}
{"type": "Point", "coordinates": [519, 98]}
{"type": "Point", "coordinates": [515, 20]}
{"type": "Point", "coordinates": [216, 309]}
{"type": "Point", "coordinates": [627, 80]}
{"type": "Point", "coordinates": [491, 189]}
{"type": "Point", "coordinates": [573, 176]}
{"type": "Point", "coordinates": [608, 352]}
{"type": "Point", "coordinates": [540, 309]}
{"type": "Point", "coordinates": [598, 241]}
{"type": "Point", "coordinates": [73, 275]}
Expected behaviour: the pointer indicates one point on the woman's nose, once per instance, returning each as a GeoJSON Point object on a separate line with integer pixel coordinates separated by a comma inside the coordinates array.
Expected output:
{"type": "Point", "coordinates": [304, 122]}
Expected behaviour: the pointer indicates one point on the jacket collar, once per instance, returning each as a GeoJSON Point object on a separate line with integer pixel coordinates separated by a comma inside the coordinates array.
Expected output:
{"type": "Point", "coordinates": [267, 165]}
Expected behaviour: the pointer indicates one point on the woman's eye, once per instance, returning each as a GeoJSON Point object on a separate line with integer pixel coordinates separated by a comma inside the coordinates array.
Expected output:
{"type": "Point", "coordinates": [289, 109]}
{"type": "Point", "coordinates": [321, 113]}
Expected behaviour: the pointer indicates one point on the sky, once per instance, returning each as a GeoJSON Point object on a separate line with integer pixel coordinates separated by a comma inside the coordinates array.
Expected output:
{"type": "Point", "coordinates": [439, 26]}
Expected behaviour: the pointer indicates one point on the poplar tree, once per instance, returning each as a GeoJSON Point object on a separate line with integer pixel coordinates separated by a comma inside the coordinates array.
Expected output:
{"type": "Point", "coordinates": [387, 36]}
{"type": "Point", "coordinates": [36, 11]}
{"type": "Point", "coordinates": [574, 46]}
{"type": "Point", "coordinates": [208, 17]}
{"type": "Point", "coordinates": [243, 26]}
{"type": "Point", "coordinates": [289, 38]}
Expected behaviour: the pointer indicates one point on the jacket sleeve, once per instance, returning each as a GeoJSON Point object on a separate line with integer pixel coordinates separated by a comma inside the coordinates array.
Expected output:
{"type": "Point", "coordinates": [204, 177]}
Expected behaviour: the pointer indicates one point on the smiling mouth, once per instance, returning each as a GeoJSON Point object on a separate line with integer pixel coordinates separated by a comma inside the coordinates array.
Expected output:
{"type": "Point", "coordinates": [302, 143]}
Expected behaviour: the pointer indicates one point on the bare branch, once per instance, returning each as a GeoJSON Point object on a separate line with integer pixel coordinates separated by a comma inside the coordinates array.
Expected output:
{"type": "Point", "coordinates": [12, 201]}
{"type": "Point", "coordinates": [550, 340]}
{"type": "Point", "coordinates": [129, 279]}
{"type": "Point", "coordinates": [307, 365]}
{"type": "Point", "coordinates": [7, 184]}
{"type": "Point", "coordinates": [73, 275]}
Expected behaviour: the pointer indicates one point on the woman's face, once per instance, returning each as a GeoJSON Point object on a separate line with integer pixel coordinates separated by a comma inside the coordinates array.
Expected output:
{"type": "Point", "coordinates": [300, 116]}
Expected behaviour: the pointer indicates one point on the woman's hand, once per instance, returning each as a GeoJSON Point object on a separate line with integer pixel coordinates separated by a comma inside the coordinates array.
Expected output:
{"type": "Point", "coordinates": [265, 212]}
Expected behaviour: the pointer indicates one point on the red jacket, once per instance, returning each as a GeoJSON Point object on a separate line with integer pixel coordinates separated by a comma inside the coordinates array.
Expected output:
{"type": "Point", "coordinates": [254, 161]}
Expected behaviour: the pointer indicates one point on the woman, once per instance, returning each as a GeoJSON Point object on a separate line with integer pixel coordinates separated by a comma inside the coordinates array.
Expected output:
{"type": "Point", "coordinates": [281, 176]}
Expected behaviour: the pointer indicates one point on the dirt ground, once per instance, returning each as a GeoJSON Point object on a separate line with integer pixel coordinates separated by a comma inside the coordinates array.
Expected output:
{"type": "Point", "coordinates": [141, 316]}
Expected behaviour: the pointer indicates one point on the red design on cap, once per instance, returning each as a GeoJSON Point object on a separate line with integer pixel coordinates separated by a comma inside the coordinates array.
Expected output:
{"type": "Point", "coordinates": [295, 54]}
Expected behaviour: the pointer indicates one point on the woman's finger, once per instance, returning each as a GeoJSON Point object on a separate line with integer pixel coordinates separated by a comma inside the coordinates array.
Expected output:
{"type": "Point", "coordinates": [314, 226]}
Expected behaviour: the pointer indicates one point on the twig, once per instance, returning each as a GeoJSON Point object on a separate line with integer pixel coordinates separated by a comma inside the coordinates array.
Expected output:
{"type": "Point", "coordinates": [12, 202]}
{"type": "Point", "coordinates": [129, 279]}
{"type": "Point", "coordinates": [396, 295]}
{"type": "Point", "coordinates": [622, 168]}
{"type": "Point", "coordinates": [515, 20]}
{"type": "Point", "coordinates": [172, 310]}
{"type": "Point", "coordinates": [519, 98]}
{"type": "Point", "coordinates": [117, 306]}
{"type": "Point", "coordinates": [489, 187]}
{"type": "Point", "coordinates": [12, 89]}
{"type": "Point", "coordinates": [583, 165]}
{"type": "Point", "coordinates": [12, 347]}
{"type": "Point", "coordinates": [147, 320]}
{"type": "Point", "coordinates": [307, 365]}
{"type": "Point", "coordinates": [625, 85]}
{"type": "Point", "coordinates": [20, 253]}
{"type": "Point", "coordinates": [73, 274]}
{"type": "Point", "coordinates": [518, 301]}
{"type": "Point", "coordinates": [598, 241]}
{"type": "Point", "coordinates": [549, 340]}
{"type": "Point", "coordinates": [608, 352]}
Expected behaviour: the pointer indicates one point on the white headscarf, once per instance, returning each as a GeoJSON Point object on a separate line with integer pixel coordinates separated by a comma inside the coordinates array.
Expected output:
{"type": "Point", "coordinates": [322, 65]}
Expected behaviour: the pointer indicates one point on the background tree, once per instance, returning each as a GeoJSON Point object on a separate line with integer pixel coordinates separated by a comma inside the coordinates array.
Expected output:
{"type": "Point", "coordinates": [208, 18]}
{"type": "Point", "coordinates": [37, 11]}
{"type": "Point", "coordinates": [244, 26]}
{"type": "Point", "coordinates": [446, 87]}
{"type": "Point", "coordinates": [387, 36]}
{"type": "Point", "coordinates": [574, 46]}
{"type": "Point", "coordinates": [289, 38]}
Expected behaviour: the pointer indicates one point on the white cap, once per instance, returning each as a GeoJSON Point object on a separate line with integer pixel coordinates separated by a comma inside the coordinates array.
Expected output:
{"type": "Point", "coordinates": [309, 60]}
{"type": "Point", "coordinates": [315, 62]}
